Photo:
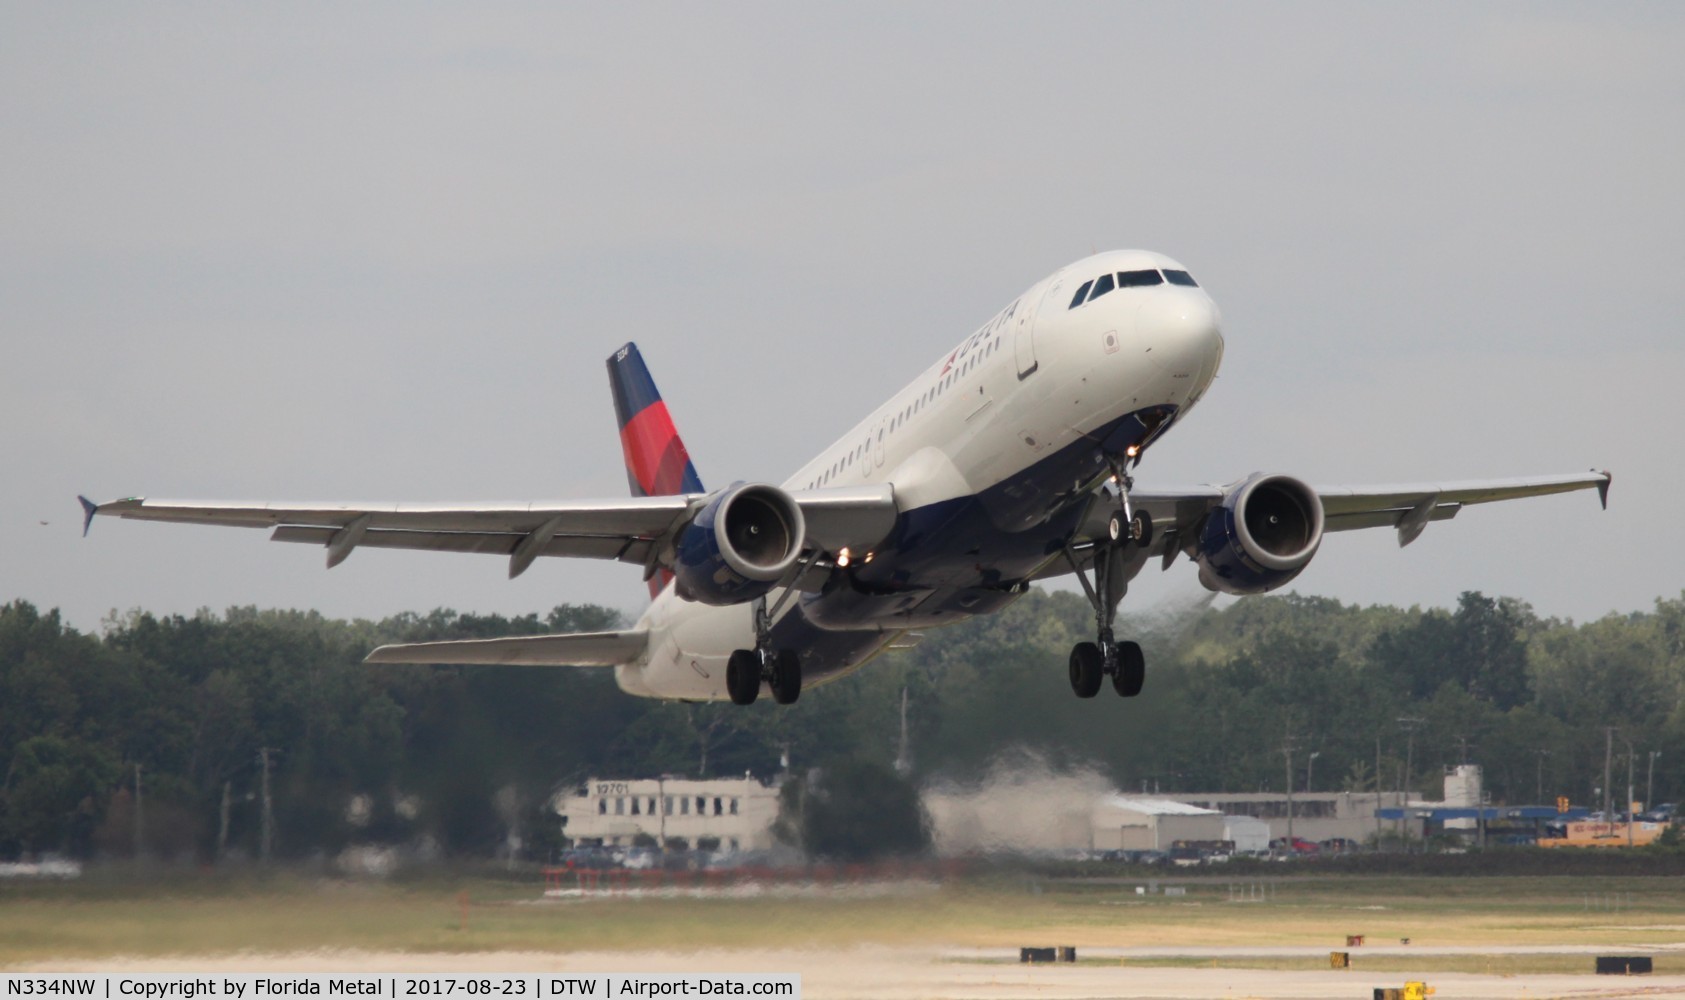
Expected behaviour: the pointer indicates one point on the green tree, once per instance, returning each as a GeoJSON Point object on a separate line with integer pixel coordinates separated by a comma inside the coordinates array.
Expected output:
{"type": "Point", "coordinates": [853, 810]}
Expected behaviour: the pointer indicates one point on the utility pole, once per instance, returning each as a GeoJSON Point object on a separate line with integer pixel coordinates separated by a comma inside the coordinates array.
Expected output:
{"type": "Point", "coordinates": [661, 803]}
{"type": "Point", "coordinates": [1463, 749]}
{"type": "Point", "coordinates": [1377, 791]}
{"type": "Point", "coordinates": [903, 759]}
{"type": "Point", "coordinates": [1650, 782]}
{"type": "Point", "coordinates": [1287, 758]}
{"type": "Point", "coordinates": [1539, 793]}
{"type": "Point", "coordinates": [140, 818]}
{"type": "Point", "coordinates": [1410, 723]}
{"type": "Point", "coordinates": [222, 821]}
{"type": "Point", "coordinates": [1608, 760]}
{"type": "Point", "coordinates": [267, 841]}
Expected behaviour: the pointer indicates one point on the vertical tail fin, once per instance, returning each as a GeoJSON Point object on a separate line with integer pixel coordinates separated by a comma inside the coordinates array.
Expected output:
{"type": "Point", "coordinates": [657, 462]}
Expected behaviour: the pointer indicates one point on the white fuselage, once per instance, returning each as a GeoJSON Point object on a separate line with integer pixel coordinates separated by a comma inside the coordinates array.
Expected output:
{"type": "Point", "coordinates": [1000, 415]}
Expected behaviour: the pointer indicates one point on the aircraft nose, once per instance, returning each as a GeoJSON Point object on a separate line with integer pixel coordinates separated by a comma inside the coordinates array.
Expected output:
{"type": "Point", "coordinates": [1181, 329]}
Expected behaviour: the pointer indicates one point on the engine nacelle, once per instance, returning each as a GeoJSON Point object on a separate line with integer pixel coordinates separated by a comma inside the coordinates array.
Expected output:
{"type": "Point", "coordinates": [738, 547]}
{"type": "Point", "coordinates": [1262, 534]}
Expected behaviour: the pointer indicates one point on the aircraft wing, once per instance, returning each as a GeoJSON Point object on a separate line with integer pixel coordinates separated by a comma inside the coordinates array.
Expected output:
{"type": "Point", "coordinates": [1406, 507]}
{"type": "Point", "coordinates": [637, 530]}
{"type": "Point", "coordinates": [578, 649]}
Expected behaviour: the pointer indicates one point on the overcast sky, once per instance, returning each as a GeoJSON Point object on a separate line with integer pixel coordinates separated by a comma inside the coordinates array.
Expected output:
{"type": "Point", "coordinates": [380, 251]}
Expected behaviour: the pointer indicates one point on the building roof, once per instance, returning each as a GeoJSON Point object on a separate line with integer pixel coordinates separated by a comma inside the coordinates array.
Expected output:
{"type": "Point", "coordinates": [1155, 807]}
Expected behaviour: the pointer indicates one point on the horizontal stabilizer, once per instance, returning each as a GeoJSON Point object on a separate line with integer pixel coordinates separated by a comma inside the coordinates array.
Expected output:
{"type": "Point", "coordinates": [578, 649]}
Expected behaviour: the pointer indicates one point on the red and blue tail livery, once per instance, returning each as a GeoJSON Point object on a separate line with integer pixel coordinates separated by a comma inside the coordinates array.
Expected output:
{"type": "Point", "coordinates": [657, 464]}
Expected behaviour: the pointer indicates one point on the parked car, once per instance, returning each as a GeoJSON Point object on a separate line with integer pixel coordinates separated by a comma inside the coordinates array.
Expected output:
{"type": "Point", "coordinates": [587, 857]}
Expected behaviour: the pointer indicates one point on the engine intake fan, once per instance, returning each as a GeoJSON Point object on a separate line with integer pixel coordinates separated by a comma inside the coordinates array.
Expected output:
{"type": "Point", "coordinates": [739, 545]}
{"type": "Point", "coordinates": [1261, 536]}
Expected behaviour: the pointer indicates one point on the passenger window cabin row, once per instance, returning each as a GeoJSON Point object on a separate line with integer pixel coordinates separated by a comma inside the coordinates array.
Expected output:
{"type": "Point", "coordinates": [1097, 287]}
{"type": "Point", "coordinates": [925, 398]}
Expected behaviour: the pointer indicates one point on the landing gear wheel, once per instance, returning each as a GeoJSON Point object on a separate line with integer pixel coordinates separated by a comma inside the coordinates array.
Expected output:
{"type": "Point", "coordinates": [786, 681]}
{"type": "Point", "coordinates": [1137, 530]}
{"type": "Point", "coordinates": [1131, 670]}
{"type": "Point", "coordinates": [1087, 668]}
{"type": "Point", "coordinates": [743, 677]}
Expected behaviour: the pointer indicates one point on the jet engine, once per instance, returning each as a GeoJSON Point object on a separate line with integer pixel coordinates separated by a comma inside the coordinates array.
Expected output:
{"type": "Point", "coordinates": [1260, 536]}
{"type": "Point", "coordinates": [740, 544]}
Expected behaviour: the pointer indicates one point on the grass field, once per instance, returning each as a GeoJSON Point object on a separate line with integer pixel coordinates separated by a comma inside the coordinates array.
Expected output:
{"type": "Point", "coordinates": [105, 915]}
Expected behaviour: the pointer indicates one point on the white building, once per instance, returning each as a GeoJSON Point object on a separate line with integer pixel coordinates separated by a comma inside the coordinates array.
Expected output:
{"type": "Point", "coordinates": [1317, 816]}
{"type": "Point", "coordinates": [1059, 815]}
{"type": "Point", "coordinates": [1463, 791]}
{"type": "Point", "coordinates": [1249, 835]}
{"type": "Point", "coordinates": [735, 814]}
{"type": "Point", "coordinates": [1137, 823]}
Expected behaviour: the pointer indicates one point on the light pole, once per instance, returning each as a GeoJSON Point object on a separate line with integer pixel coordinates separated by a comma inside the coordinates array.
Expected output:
{"type": "Point", "coordinates": [1310, 771]}
{"type": "Point", "coordinates": [1409, 723]}
{"type": "Point", "coordinates": [1650, 782]}
{"type": "Point", "coordinates": [1540, 791]}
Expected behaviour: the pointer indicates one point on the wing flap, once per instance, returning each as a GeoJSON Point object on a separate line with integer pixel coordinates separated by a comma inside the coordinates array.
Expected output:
{"type": "Point", "coordinates": [1177, 512]}
{"type": "Point", "coordinates": [578, 649]}
{"type": "Point", "coordinates": [643, 516]}
{"type": "Point", "coordinates": [624, 529]}
{"type": "Point", "coordinates": [1384, 518]}
{"type": "Point", "coordinates": [1353, 499]}
{"type": "Point", "coordinates": [631, 550]}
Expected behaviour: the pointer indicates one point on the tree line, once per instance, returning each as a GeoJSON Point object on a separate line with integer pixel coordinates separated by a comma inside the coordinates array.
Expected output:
{"type": "Point", "coordinates": [157, 734]}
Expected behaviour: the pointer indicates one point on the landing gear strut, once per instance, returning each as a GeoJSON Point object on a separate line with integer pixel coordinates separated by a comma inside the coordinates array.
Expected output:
{"type": "Point", "coordinates": [746, 669]}
{"type": "Point", "coordinates": [1092, 662]}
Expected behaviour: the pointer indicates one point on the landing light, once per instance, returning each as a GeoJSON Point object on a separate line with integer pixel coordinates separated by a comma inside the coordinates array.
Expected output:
{"type": "Point", "coordinates": [842, 557]}
{"type": "Point", "coordinates": [1132, 450]}
{"type": "Point", "coordinates": [869, 559]}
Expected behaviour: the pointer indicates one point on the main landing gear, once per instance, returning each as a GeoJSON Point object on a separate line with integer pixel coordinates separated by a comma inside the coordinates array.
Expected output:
{"type": "Point", "coordinates": [781, 669]}
{"type": "Point", "coordinates": [1092, 662]}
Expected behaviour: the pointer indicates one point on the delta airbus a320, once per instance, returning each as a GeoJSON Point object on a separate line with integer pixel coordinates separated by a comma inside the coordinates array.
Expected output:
{"type": "Point", "coordinates": [1008, 460]}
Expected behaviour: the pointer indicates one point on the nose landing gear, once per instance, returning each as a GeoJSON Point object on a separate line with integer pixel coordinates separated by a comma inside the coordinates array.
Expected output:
{"type": "Point", "coordinates": [1123, 662]}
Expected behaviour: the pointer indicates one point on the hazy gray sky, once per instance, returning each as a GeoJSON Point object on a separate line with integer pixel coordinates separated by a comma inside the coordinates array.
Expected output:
{"type": "Point", "coordinates": [380, 251]}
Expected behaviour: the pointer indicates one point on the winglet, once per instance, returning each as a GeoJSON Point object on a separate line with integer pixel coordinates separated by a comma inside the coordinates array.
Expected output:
{"type": "Point", "coordinates": [1603, 488]}
{"type": "Point", "coordinates": [89, 509]}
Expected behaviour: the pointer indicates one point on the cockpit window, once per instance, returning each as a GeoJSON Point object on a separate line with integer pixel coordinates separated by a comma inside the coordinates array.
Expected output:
{"type": "Point", "coordinates": [1102, 285]}
{"type": "Point", "coordinates": [1137, 279]}
{"type": "Point", "coordinates": [1181, 278]}
{"type": "Point", "coordinates": [1081, 295]}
